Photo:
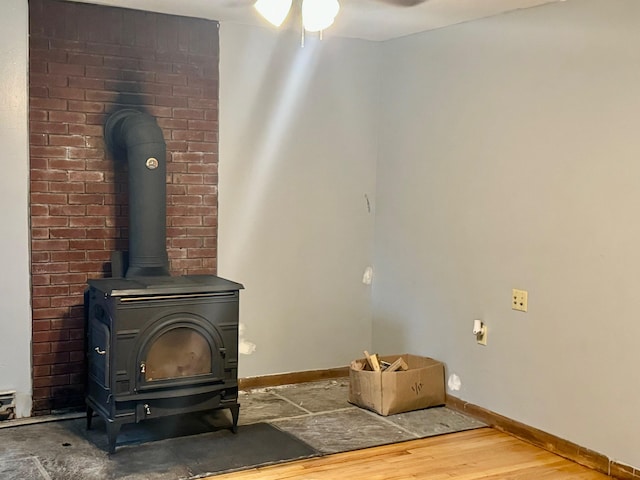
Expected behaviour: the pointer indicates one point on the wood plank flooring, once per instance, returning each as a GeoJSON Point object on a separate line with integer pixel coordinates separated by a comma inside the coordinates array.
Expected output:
{"type": "Point", "coordinates": [476, 454]}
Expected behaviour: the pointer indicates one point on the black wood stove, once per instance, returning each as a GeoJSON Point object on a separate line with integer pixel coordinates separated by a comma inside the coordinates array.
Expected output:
{"type": "Point", "coordinates": [157, 345]}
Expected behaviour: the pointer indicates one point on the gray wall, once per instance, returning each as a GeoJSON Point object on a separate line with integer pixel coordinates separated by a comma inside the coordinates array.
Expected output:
{"type": "Point", "coordinates": [15, 310]}
{"type": "Point", "coordinates": [297, 161]}
{"type": "Point", "coordinates": [510, 158]}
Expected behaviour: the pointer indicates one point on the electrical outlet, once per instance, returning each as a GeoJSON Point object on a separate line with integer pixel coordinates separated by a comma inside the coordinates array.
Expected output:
{"type": "Point", "coordinates": [519, 300]}
{"type": "Point", "coordinates": [481, 337]}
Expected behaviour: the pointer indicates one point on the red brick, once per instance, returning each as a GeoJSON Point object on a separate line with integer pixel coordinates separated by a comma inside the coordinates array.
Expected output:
{"type": "Point", "coordinates": [41, 325]}
{"type": "Point", "coordinates": [48, 198]}
{"type": "Point", "coordinates": [67, 210]}
{"type": "Point", "coordinates": [66, 92]}
{"type": "Point", "coordinates": [41, 371]}
{"type": "Point", "coordinates": [70, 233]}
{"type": "Point", "coordinates": [47, 80]}
{"type": "Point", "coordinates": [40, 279]}
{"type": "Point", "coordinates": [49, 268]}
{"type": "Point", "coordinates": [85, 199]}
{"type": "Point", "coordinates": [87, 107]}
{"type": "Point", "coordinates": [67, 368]}
{"type": "Point", "coordinates": [66, 164]}
{"type": "Point", "coordinates": [185, 200]}
{"type": "Point", "coordinates": [188, 113]}
{"type": "Point", "coordinates": [50, 336]}
{"type": "Point", "coordinates": [39, 187]}
{"type": "Point", "coordinates": [171, 78]}
{"type": "Point", "coordinates": [67, 140]}
{"type": "Point", "coordinates": [68, 117]}
{"type": "Point", "coordinates": [39, 257]}
{"type": "Point", "coordinates": [210, 199]}
{"type": "Point", "coordinates": [85, 59]}
{"type": "Point", "coordinates": [46, 127]}
{"type": "Point", "coordinates": [39, 210]}
{"type": "Point", "coordinates": [38, 115]}
{"type": "Point", "coordinates": [186, 221]}
{"type": "Point", "coordinates": [49, 175]}
{"type": "Point", "coordinates": [187, 157]}
{"type": "Point", "coordinates": [80, 129]}
{"type": "Point", "coordinates": [50, 290]}
{"type": "Point", "coordinates": [160, 112]}
{"type": "Point", "coordinates": [192, 179]}
{"type": "Point", "coordinates": [48, 104]}
{"type": "Point", "coordinates": [38, 92]}
{"type": "Point", "coordinates": [98, 255]}
{"type": "Point", "coordinates": [186, 242]}
{"type": "Point", "coordinates": [67, 187]}
{"type": "Point", "coordinates": [169, 101]}
{"type": "Point", "coordinates": [87, 244]}
{"type": "Point", "coordinates": [101, 233]}
{"type": "Point", "coordinates": [52, 313]}
{"type": "Point", "coordinates": [65, 69]}
{"type": "Point", "coordinates": [85, 266]}
{"type": "Point", "coordinates": [202, 189]}
{"type": "Point", "coordinates": [50, 381]}
{"type": "Point", "coordinates": [67, 323]}
{"type": "Point", "coordinates": [67, 45]}
{"type": "Point", "coordinates": [203, 125]}
{"type": "Point", "coordinates": [201, 252]}
{"type": "Point", "coordinates": [210, 168]}
{"type": "Point", "coordinates": [84, 153]}
{"type": "Point", "coordinates": [86, 176]}
{"type": "Point", "coordinates": [88, 83]}
{"type": "Point", "coordinates": [173, 123]}
{"type": "Point", "coordinates": [68, 278]}
{"type": "Point", "coordinates": [202, 147]}
{"type": "Point", "coordinates": [39, 233]}
{"type": "Point", "coordinates": [67, 257]}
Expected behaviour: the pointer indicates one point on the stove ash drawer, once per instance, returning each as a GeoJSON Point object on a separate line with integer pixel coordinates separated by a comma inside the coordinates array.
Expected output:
{"type": "Point", "coordinates": [163, 407]}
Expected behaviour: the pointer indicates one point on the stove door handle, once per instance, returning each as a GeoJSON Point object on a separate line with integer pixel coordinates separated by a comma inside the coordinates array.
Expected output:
{"type": "Point", "coordinates": [100, 352]}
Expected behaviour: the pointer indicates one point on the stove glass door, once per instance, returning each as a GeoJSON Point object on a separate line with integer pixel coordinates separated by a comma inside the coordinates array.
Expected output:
{"type": "Point", "coordinates": [179, 352]}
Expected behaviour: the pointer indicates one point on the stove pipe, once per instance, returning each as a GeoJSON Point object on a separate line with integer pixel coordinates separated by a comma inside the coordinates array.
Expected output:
{"type": "Point", "coordinates": [137, 137]}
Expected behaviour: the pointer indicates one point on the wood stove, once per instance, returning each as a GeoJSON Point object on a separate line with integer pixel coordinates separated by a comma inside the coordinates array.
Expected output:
{"type": "Point", "coordinates": [157, 345]}
{"type": "Point", "coordinates": [161, 347]}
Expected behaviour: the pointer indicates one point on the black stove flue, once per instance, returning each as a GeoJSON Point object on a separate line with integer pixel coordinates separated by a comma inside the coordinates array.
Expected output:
{"type": "Point", "coordinates": [157, 345]}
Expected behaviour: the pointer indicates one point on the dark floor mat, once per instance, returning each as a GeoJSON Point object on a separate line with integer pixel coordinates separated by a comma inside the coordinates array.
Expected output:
{"type": "Point", "coordinates": [208, 453]}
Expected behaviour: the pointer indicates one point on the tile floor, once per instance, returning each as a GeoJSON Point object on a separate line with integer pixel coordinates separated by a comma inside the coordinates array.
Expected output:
{"type": "Point", "coordinates": [317, 413]}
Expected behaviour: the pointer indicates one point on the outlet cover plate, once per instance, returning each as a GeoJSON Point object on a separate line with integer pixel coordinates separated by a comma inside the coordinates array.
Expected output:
{"type": "Point", "coordinates": [519, 300]}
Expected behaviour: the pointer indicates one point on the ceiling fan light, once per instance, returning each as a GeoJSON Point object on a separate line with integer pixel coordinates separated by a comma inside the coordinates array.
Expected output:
{"type": "Point", "coordinates": [274, 11]}
{"type": "Point", "coordinates": [319, 14]}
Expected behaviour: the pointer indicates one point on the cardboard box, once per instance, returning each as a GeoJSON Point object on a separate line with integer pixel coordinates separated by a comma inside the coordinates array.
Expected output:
{"type": "Point", "coordinates": [386, 393]}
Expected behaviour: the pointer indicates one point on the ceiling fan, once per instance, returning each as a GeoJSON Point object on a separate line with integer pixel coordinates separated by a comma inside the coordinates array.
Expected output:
{"type": "Point", "coordinates": [317, 15]}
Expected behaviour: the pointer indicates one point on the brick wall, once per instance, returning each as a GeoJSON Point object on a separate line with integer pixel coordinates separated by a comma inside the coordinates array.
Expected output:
{"type": "Point", "coordinates": [85, 62]}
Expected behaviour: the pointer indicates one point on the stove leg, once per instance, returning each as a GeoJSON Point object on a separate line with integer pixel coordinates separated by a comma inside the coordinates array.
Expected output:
{"type": "Point", "coordinates": [89, 417]}
{"type": "Point", "coordinates": [235, 413]}
{"type": "Point", "coordinates": [112, 433]}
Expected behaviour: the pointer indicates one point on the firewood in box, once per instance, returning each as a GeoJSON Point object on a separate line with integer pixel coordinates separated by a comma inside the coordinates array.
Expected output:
{"type": "Point", "coordinates": [373, 361]}
{"type": "Point", "coordinates": [357, 365]}
{"type": "Point", "coordinates": [399, 364]}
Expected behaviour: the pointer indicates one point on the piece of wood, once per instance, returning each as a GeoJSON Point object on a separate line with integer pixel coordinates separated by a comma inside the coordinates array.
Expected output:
{"type": "Point", "coordinates": [472, 455]}
{"type": "Point", "coordinates": [373, 361]}
{"type": "Point", "coordinates": [399, 364]}
{"type": "Point", "coordinates": [292, 378]}
{"type": "Point", "coordinates": [356, 365]}
{"type": "Point", "coordinates": [547, 441]}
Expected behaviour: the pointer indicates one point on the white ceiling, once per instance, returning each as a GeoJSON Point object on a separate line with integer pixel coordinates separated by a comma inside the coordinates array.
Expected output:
{"type": "Point", "coordinates": [366, 19]}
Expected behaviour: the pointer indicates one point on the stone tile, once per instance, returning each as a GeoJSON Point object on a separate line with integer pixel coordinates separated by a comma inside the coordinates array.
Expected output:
{"type": "Point", "coordinates": [339, 431]}
{"type": "Point", "coordinates": [261, 406]}
{"type": "Point", "coordinates": [21, 469]}
{"type": "Point", "coordinates": [434, 421]}
{"type": "Point", "coordinates": [317, 396]}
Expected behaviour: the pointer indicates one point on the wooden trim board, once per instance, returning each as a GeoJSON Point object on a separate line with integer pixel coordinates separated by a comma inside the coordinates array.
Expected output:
{"type": "Point", "coordinates": [292, 377]}
{"type": "Point", "coordinates": [546, 441]}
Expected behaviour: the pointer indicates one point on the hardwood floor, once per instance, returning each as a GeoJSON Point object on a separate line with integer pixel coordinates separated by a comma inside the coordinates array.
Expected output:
{"type": "Point", "coordinates": [484, 453]}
